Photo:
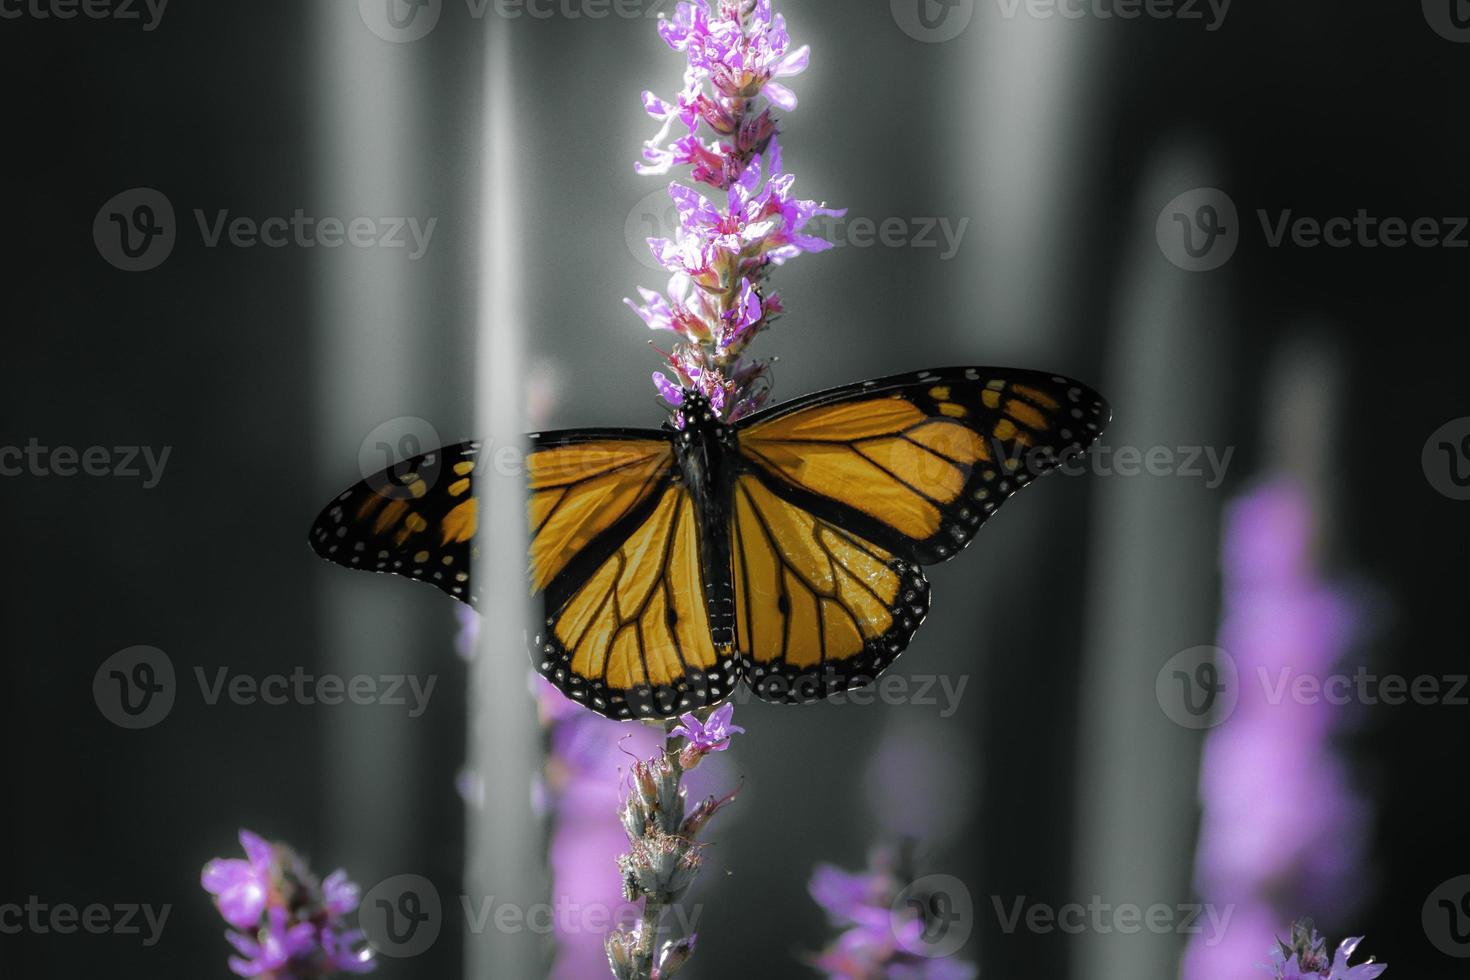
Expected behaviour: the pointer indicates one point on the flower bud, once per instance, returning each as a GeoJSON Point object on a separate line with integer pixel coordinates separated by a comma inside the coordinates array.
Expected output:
{"type": "Point", "coordinates": [634, 818]}
{"type": "Point", "coordinates": [701, 815]}
{"type": "Point", "coordinates": [675, 954]}
{"type": "Point", "coordinates": [622, 954]}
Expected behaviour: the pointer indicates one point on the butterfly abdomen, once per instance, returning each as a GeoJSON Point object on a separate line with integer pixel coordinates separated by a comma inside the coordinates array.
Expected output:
{"type": "Point", "coordinates": [705, 449]}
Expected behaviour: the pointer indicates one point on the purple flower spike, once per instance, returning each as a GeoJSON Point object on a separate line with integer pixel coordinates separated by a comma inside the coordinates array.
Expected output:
{"type": "Point", "coordinates": [726, 244]}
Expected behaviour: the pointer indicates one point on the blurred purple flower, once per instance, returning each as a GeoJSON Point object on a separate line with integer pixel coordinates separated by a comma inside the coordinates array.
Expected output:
{"type": "Point", "coordinates": [290, 925]}
{"type": "Point", "coordinates": [878, 941]}
{"type": "Point", "coordinates": [1281, 826]}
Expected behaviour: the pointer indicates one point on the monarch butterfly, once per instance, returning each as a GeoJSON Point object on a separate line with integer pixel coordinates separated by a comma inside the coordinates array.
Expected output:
{"type": "Point", "coordinates": [783, 550]}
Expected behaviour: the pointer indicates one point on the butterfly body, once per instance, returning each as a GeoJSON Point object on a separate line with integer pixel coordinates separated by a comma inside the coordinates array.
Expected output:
{"type": "Point", "coordinates": [705, 449]}
{"type": "Point", "coordinates": [783, 551]}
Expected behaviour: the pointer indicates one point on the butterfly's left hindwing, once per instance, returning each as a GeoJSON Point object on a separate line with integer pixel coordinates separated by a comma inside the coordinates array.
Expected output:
{"type": "Point", "coordinates": [417, 519]}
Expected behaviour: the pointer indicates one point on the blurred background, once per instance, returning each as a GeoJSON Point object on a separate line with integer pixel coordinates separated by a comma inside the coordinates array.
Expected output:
{"type": "Point", "coordinates": [1112, 704]}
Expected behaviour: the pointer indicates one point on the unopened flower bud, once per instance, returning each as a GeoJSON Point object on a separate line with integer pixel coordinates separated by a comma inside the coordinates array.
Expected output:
{"type": "Point", "coordinates": [674, 955]}
{"type": "Point", "coordinates": [634, 818]}
{"type": "Point", "coordinates": [701, 814]}
{"type": "Point", "coordinates": [622, 954]}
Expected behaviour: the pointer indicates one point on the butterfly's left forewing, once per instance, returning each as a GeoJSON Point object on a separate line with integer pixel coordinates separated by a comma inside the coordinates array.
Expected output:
{"type": "Point", "coordinates": [917, 463]}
